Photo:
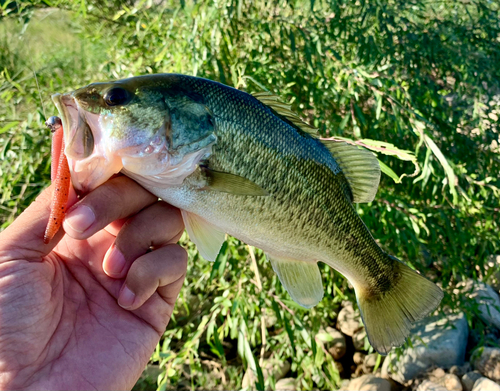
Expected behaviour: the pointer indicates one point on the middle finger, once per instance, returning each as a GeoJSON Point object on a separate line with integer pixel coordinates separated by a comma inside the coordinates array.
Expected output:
{"type": "Point", "coordinates": [156, 226]}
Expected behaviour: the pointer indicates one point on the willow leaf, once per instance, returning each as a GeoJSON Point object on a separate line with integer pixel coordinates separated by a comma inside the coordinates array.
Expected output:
{"type": "Point", "coordinates": [389, 172]}
{"type": "Point", "coordinates": [450, 174]}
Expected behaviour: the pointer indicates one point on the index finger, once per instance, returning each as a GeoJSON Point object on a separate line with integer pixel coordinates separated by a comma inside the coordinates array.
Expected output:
{"type": "Point", "coordinates": [118, 198]}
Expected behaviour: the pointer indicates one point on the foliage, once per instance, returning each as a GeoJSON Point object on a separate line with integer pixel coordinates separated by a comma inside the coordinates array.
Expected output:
{"type": "Point", "coordinates": [419, 77]}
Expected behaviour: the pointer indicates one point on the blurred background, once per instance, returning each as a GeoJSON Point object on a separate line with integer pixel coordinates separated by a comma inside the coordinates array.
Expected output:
{"type": "Point", "coordinates": [420, 75]}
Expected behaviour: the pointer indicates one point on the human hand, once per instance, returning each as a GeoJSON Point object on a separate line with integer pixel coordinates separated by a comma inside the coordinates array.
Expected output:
{"type": "Point", "coordinates": [61, 326]}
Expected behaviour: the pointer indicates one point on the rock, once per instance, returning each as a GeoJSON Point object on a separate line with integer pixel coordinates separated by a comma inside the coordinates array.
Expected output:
{"type": "Point", "coordinates": [469, 379]}
{"type": "Point", "coordinates": [460, 370]}
{"type": "Point", "coordinates": [486, 298]}
{"type": "Point", "coordinates": [369, 383]}
{"type": "Point", "coordinates": [448, 381]}
{"type": "Point", "coordinates": [344, 385]}
{"type": "Point", "coordinates": [334, 341]}
{"type": "Point", "coordinates": [270, 367]}
{"type": "Point", "coordinates": [451, 382]}
{"type": "Point", "coordinates": [488, 362]}
{"type": "Point", "coordinates": [436, 345]}
{"type": "Point", "coordinates": [358, 358]}
{"type": "Point", "coordinates": [485, 384]}
{"type": "Point", "coordinates": [358, 371]}
{"type": "Point", "coordinates": [466, 367]}
{"type": "Point", "coordinates": [437, 373]}
{"type": "Point", "coordinates": [369, 362]}
{"type": "Point", "coordinates": [348, 320]}
{"type": "Point", "coordinates": [286, 384]}
{"type": "Point", "coordinates": [494, 279]}
{"type": "Point", "coordinates": [358, 340]}
{"type": "Point", "coordinates": [428, 385]}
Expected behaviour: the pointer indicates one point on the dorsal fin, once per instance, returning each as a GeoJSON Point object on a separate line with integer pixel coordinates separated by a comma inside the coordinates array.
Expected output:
{"type": "Point", "coordinates": [284, 110]}
{"type": "Point", "coordinates": [359, 166]}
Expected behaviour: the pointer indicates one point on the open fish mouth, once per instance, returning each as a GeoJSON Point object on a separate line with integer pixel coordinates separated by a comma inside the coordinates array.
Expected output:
{"type": "Point", "coordinates": [78, 136]}
{"type": "Point", "coordinates": [91, 163]}
{"type": "Point", "coordinates": [95, 155]}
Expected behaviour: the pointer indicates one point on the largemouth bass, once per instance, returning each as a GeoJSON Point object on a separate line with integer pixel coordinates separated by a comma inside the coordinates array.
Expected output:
{"type": "Point", "coordinates": [247, 166]}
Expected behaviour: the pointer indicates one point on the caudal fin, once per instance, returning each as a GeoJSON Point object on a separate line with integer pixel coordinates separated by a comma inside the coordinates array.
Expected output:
{"type": "Point", "coordinates": [388, 316]}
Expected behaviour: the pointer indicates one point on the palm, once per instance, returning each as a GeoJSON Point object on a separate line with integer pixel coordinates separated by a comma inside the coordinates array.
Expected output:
{"type": "Point", "coordinates": [59, 319]}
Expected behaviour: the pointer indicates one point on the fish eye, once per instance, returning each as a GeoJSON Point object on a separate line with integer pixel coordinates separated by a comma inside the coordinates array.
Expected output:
{"type": "Point", "coordinates": [116, 96]}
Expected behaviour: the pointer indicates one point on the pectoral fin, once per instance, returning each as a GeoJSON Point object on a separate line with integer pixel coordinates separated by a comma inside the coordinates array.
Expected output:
{"type": "Point", "coordinates": [207, 237]}
{"type": "Point", "coordinates": [302, 280]}
{"type": "Point", "coordinates": [230, 183]}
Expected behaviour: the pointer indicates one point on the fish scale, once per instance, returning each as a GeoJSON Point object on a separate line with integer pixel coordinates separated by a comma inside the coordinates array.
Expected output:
{"type": "Point", "coordinates": [249, 167]}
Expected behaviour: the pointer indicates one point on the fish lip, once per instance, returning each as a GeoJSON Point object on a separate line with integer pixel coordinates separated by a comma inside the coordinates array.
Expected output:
{"type": "Point", "coordinates": [68, 109]}
{"type": "Point", "coordinates": [89, 172]}
{"type": "Point", "coordinates": [63, 111]}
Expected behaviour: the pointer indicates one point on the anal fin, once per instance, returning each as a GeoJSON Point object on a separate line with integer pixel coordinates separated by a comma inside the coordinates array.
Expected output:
{"type": "Point", "coordinates": [207, 237]}
{"type": "Point", "coordinates": [301, 279]}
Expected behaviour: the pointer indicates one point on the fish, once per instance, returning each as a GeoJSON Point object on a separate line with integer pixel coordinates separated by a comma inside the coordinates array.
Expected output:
{"type": "Point", "coordinates": [248, 166]}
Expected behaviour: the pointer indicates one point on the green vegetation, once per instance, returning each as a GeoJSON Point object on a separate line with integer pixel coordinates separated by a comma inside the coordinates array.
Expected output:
{"type": "Point", "coordinates": [421, 75]}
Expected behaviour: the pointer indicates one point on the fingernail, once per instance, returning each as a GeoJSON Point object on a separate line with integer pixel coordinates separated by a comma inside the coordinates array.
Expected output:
{"type": "Point", "coordinates": [114, 262]}
{"type": "Point", "coordinates": [126, 298]}
{"type": "Point", "coordinates": [80, 218]}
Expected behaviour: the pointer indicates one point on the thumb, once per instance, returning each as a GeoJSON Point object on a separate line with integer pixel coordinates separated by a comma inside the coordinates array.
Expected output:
{"type": "Point", "coordinates": [23, 239]}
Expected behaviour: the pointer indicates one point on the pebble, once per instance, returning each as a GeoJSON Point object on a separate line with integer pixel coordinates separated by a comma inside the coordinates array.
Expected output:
{"type": "Point", "coordinates": [369, 362]}
{"type": "Point", "coordinates": [460, 370]}
{"type": "Point", "coordinates": [447, 380]}
{"type": "Point", "coordinates": [359, 339]}
{"type": "Point", "coordinates": [428, 385]}
{"type": "Point", "coordinates": [488, 362]}
{"type": "Point", "coordinates": [349, 320]}
{"type": "Point", "coordinates": [277, 368]}
{"type": "Point", "coordinates": [286, 384]}
{"type": "Point", "coordinates": [334, 341]}
{"type": "Point", "coordinates": [451, 382]}
{"type": "Point", "coordinates": [369, 383]}
{"type": "Point", "coordinates": [358, 358]}
{"type": "Point", "coordinates": [438, 373]}
{"type": "Point", "coordinates": [494, 280]}
{"type": "Point", "coordinates": [469, 379]}
{"type": "Point", "coordinates": [485, 384]}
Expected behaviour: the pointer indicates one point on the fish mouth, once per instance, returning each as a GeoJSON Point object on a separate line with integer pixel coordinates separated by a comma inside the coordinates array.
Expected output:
{"type": "Point", "coordinates": [90, 162]}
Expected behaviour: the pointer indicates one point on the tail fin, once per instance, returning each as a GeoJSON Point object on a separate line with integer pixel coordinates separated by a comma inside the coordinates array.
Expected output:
{"type": "Point", "coordinates": [388, 316]}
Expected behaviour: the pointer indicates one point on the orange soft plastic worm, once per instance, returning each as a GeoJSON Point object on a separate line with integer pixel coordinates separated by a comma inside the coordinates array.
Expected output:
{"type": "Point", "coordinates": [57, 148]}
{"type": "Point", "coordinates": [61, 179]}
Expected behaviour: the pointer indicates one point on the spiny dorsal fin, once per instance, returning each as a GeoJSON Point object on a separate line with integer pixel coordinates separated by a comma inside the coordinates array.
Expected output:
{"type": "Point", "coordinates": [284, 110]}
{"type": "Point", "coordinates": [359, 166]}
